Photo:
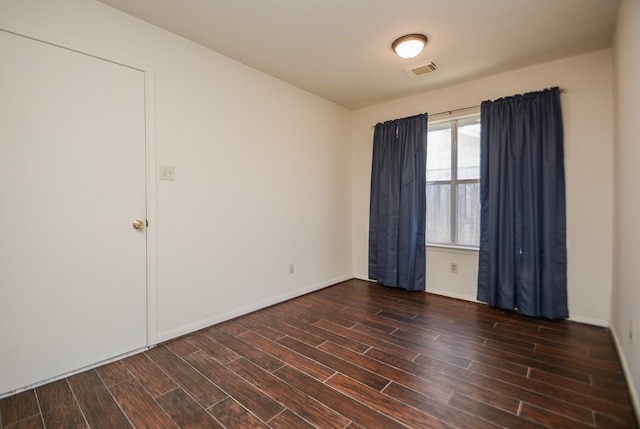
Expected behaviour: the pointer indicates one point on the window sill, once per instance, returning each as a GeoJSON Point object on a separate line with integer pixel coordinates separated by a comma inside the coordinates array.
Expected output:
{"type": "Point", "coordinates": [451, 249]}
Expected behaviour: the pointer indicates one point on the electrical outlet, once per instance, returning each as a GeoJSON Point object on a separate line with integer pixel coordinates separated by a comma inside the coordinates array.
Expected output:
{"type": "Point", "coordinates": [632, 331]}
{"type": "Point", "coordinates": [454, 267]}
{"type": "Point", "coordinates": [292, 268]}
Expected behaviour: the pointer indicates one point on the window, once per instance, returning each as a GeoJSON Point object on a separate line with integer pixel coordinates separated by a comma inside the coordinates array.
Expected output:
{"type": "Point", "coordinates": [453, 183]}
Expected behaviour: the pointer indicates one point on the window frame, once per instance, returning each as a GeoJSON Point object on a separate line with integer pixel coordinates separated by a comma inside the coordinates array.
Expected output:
{"type": "Point", "coordinates": [453, 183]}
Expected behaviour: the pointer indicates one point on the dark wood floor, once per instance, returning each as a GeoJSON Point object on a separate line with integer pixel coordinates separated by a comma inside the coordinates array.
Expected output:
{"type": "Point", "coordinates": [355, 355]}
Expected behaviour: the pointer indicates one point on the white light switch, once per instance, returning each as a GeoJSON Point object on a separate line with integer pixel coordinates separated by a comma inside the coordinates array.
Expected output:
{"type": "Point", "coordinates": [167, 172]}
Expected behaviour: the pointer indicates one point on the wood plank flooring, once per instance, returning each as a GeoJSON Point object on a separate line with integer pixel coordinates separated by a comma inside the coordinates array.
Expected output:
{"type": "Point", "coordinates": [355, 355]}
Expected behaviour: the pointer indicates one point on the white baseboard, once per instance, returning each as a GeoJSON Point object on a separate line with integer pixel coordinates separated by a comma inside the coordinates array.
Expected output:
{"type": "Point", "coordinates": [635, 398]}
{"type": "Point", "coordinates": [573, 318]}
{"type": "Point", "coordinates": [245, 310]}
{"type": "Point", "coordinates": [449, 294]}
{"type": "Point", "coordinates": [453, 295]}
{"type": "Point", "coordinates": [589, 320]}
{"type": "Point", "coordinates": [187, 329]}
{"type": "Point", "coordinates": [70, 373]}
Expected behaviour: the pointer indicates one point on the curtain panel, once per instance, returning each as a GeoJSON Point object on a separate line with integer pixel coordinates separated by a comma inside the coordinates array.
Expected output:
{"type": "Point", "coordinates": [523, 255]}
{"type": "Point", "coordinates": [397, 205]}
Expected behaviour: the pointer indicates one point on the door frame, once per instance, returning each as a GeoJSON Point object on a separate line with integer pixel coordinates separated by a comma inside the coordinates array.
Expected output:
{"type": "Point", "coordinates": [150, 173]}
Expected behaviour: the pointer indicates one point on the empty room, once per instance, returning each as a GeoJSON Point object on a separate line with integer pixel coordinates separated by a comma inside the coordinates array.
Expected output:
{"type": "Point", "coordinates": [249, 214]}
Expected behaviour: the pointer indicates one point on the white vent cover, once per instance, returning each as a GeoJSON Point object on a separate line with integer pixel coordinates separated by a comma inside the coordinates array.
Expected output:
{"type": "Point", "coordinates": [422, 68]}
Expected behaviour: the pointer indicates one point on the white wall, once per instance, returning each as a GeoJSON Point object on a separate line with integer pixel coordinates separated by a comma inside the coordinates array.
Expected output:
{"type": "Point", "coordinates": [587, 115]}
{"type": "Point", "coordinates": [268, 174]}
{"type": "Point", "coordinates": [262, 168]}
{"type": "Point", "coordinates": [625, 307]}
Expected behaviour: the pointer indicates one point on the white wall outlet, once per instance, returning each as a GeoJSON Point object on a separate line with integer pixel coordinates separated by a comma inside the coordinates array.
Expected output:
{"type": "Point", "coordinates": [167, 172]}
{"type": "Point", "coordinates": [292, 268]}
{"type": "Point", "coordinates": [454, 267]}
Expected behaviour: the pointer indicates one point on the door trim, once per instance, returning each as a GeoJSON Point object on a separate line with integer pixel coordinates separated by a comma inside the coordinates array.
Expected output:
{"type": "Point", "coordinates": [152, 207]}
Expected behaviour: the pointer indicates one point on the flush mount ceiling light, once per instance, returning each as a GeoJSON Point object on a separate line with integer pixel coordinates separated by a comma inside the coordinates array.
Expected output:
{"type": "Point", "coordinates": [410, 45]}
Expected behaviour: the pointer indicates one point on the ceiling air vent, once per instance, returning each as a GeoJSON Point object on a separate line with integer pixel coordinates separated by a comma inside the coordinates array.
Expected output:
{"type": "Point", "coordinates": [422, 68]}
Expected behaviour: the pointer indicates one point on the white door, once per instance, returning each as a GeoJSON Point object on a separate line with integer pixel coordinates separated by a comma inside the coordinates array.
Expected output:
{"type": "Point", "coordinates": [72, 182]}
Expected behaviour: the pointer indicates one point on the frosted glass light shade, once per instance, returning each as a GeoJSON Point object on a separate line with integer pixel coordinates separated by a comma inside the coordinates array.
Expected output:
{"type": "Point", "coordinates": [410, 45]}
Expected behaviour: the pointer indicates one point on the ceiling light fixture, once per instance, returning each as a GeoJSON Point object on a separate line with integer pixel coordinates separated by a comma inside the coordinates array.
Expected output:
{"type": "Point", "coordinates": [410, 45]}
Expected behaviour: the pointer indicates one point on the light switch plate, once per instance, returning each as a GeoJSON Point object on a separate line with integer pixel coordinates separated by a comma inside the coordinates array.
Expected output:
{"type": "Point", "coordinates": [167, 172]}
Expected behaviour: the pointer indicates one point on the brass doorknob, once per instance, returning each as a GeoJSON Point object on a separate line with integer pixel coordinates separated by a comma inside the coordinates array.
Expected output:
{"type": "Point", "coordinates": [138, 224]}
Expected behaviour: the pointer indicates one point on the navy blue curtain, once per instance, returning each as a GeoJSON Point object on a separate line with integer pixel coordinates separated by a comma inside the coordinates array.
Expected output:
{"type": "Point", "coordinates": [523, 255]}
{"type": "Point", "coordinates": [397, 209]}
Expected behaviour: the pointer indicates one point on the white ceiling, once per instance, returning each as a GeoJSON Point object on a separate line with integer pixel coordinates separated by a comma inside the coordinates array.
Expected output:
{"type": "Point", "coordinates": [341, 49]}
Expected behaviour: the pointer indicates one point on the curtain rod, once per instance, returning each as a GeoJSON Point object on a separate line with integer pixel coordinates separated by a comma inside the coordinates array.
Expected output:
{"type": "Point", "coordinates": [449, 112]}
{"type": "Point", "coordinates": [454, 110]}
{"type": "Point", "coordinates": [464, 108]}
